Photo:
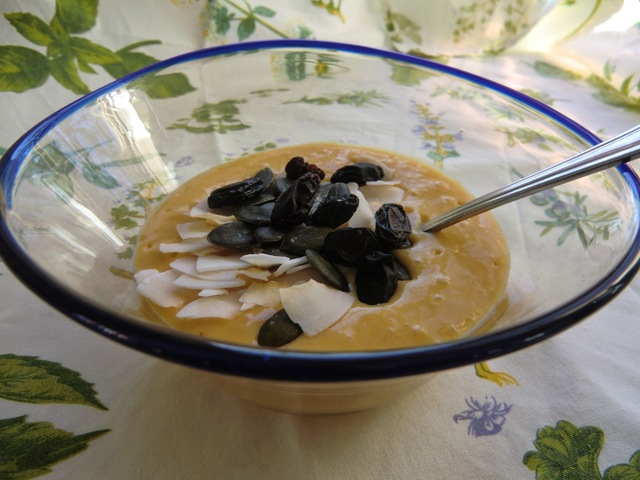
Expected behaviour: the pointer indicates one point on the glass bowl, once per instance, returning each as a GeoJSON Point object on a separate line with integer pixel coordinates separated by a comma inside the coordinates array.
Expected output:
{"type": "Point", "coordinates": [76, 189]}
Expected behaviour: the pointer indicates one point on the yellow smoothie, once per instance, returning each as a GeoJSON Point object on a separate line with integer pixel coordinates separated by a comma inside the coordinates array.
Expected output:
{"type": "Point", "coordinates": [458, 275]}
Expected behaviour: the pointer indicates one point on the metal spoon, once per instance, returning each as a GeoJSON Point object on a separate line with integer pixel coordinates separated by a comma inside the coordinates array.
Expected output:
{"type": "Point", "coordinates": [615, 151]}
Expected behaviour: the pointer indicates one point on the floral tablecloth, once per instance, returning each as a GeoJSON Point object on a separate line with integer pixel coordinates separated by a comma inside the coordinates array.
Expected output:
{"type": "Point", "coordinates": [75, 406]}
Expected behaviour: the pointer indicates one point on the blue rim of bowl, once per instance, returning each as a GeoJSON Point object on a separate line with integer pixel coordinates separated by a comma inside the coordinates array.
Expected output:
{"type": "Point", "coordinates": [297, 366]}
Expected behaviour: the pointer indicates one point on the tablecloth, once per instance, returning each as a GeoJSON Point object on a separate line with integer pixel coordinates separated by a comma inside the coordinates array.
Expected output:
{"type": "Point", "coordinates": [76, 406]}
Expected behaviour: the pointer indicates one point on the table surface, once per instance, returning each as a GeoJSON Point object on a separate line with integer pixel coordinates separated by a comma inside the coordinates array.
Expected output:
{"type": "Point", "coordinates": [74, 405]}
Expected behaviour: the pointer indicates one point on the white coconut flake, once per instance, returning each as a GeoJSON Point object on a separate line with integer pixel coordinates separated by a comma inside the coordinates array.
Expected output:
{"type": "Point", "coordinates": [185, 264]}
{"type": "Point", "coordinates": [186, 246]}
{"type": "Point", "coordinates": [218, 275]}
{"type": "Point", "coordinates": [380, 183]}
{"type": "Point", "coordinates": [414, 219]}
{"type": "Point", "coordinates": [212, 292]}
{"type": "Point", "coordinates": [315, 306]}
{"type": "Point", "coordinates": [379, 194]}
{"type": "Point", "coordinates": [263, 294]}
{"type": "Point", "coordinates": [264, 260]}
{"type": "Point", "coordinates": [261, 316]}
{"type": "Point", "coordinates": [194, 283]}
{"type": "Point", "coordinates": [363, 216]}
{"type": "Point", "coordinates": [255, 273]}
{"type": "Point", "coordinates": [212, 263]}
{"type": "Point", "coordinates": [160, 288]}
{"type": "Point", "coordinates": [201, 210]}
{"type": "Point", "coordinates": [210, 250]}
{"type": "Point", "coordinates": [196, 229]}
{"type": "Point", "coordinates": [140, 275]}
{"type": "Point", "coordinates": [299, 268]}
{"type": "Point", "coordinates": [211, 307]}
{"type": "Point", "coordinates": [289, 264]}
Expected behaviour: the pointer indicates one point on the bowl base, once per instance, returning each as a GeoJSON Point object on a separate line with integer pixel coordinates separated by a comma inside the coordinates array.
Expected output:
{"type": "Point", "coordinates": [320, 398]}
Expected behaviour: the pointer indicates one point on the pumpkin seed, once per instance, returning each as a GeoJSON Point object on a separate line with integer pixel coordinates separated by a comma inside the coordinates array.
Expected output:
{"type": "Point", "coordinates": [232, 235]}
{"type": "Point", "coordinates": [327, 270]}
{"type": "Point", "coordinates": [275, 251]}
{"type": "Point", "coordinates": [305, 237]}
{"type": "Point", "coordinates": [266, 175]}
{"type": "Point", "coordinates": [268, 234]}
{"type": "Point", "coordinates": [280, 184]}
{"type": "Point", "coordinates": [278, 330]}
{"type": "Point", "coordinates": [255, 214]}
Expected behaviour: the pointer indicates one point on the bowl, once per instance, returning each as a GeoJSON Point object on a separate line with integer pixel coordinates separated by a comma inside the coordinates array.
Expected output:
{"type": "Point", "coordinates": [76, 190]}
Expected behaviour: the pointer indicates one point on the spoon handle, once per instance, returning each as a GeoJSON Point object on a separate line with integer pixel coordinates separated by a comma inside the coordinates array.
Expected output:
{"type": "Point", "coordinates": [615, 151]}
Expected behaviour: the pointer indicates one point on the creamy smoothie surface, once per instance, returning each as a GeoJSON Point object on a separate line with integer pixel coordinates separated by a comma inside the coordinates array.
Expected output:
{"type": "Point", "coordinates": [320, 253]}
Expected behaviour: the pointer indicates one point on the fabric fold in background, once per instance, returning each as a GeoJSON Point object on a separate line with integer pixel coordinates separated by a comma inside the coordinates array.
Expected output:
{"type": "Point", "coordinates": [573, 40]}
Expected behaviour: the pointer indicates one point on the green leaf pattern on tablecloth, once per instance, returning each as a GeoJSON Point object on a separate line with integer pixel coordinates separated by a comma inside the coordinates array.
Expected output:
{"type": "Point", "coordinates": [438, 140]}
{"type": "Point", "coordinates": [67, 55]}
{"type": "Point", "coordinates": [221, 18]}
{"type": "Point", "coordinates": [569, 213]}
{"type": "Point", "coordinates": [624, 93]}
{"type": "Point", "coordinates": [31, 380]}
{"type": "Point", "coordinates": [220, 117]}
{"type": "Point", "coordinates": [357, 98]}
{"type": "Point", "coordinates": [567, 452]}
{"type": "Point", "coordinates": [28, 450]}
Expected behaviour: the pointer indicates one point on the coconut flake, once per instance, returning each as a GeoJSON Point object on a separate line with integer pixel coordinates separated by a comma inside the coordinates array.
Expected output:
{"type": "Point", "coordinates": [196, 229]}
{"type": "Point", "coordinates": [185, 264]}
{"type": "Point", "coordinates": [210, 250]}
{"type": "Point", "coordinates": [212, 263]}
{"type": "Point", "coordinates": [263, 294]}
{"type": "Point", "coordinates": [264, 260]}
{"type": "Point", "coordinates": [212, 292]}
{"type": "Point", "coordinates": [201, 210]}
{"type": "Point", "coordinates": [289, 264]}
{"type": "Point", "coordinates": [211, 307]}
{"type": "Point", "coordinates": [315, 306]}
{"type": "Point", "coordinates": [363, 216]}
{"type": "Point", "coordinates": [261, 316]}
{"type": "Point", "coordinates": [159, 287]}
{"type": "Point", "coordinates": [139, 276]}
{"type": "Point", "coordinates": [185, 246]}
{"type": "Point", "coordinates": [376, 195]}
{"type": "Point", "coordinates": [255, 273]}
{"type": "Point", "coordinates": [194, 283]}
{"type": "Point", "coordinates": [380, 183]}
{"type": "Point", "coordinates": [218, 275]}
{"type": "Point", "coordinates": [299, 268]}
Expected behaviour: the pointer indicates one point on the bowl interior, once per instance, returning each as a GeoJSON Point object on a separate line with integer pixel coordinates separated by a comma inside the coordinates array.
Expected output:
{"type": "Point", "coordinates": [79, 186]}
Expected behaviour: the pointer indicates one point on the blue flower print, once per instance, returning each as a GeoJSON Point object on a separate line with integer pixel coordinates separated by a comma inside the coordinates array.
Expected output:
{"type": "Point", "coordinates": [484, 418]}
